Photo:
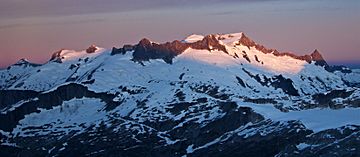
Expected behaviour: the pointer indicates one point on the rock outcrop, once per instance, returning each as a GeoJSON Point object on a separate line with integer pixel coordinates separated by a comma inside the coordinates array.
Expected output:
{"type": "Point", "coordinates": [318, 58]}
{"type": "Point", "coordinates": [91, 49]}
{"type": "Point", "coordinates": [146, 50]}
{"type": "Point", "coordinates": [56, 57]}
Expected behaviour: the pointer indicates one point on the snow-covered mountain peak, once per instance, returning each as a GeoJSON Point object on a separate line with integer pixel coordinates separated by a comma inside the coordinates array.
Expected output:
{"type": "Point", "coordinates": [230, 39]}
{"type": "Point", "coordinates": [236, 49]}
{"type": "Point", "coordinates": [22, 61]}
{"type": "Point", "coordinates": [145, 42]}
{"type": "Point", "coordinates": [221, 49]}
{"type": "Point", "coordinates": [69, 55]}
{"type": "Point", "coordinates": [224, 38]}
{"type": "Point", "coordinates": [193, 38]}
{"type": "Point", "coordinates": [318, 58]}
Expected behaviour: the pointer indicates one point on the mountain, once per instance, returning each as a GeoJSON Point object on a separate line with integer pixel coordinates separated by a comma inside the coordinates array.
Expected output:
{"type": "Point", "coordinates": [214, 95]}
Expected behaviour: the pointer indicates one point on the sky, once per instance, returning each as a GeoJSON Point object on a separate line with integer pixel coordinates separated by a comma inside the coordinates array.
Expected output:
{"type": "Point", "coordinates": [37, 28]}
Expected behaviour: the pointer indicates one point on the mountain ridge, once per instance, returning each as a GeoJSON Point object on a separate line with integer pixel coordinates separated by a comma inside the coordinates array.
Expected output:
{"type": "Point", "coordinates": [201, 96]}
{"type": "Point", "coordinates": [177, 47]}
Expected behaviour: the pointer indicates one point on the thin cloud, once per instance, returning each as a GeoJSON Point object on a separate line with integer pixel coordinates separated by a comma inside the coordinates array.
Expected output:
{"type": "Point", "coordinates": [223, 13]}
{"type": "Point", "coordinates": [25, 8]}
{"type": "Point", "coordinates": [49, 23]}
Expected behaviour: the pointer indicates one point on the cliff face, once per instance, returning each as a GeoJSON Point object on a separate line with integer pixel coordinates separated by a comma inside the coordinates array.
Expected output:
{"type": "Point", "coordinates": [147, 50]}
{"type": "Point", "coordinates": [318, 58]}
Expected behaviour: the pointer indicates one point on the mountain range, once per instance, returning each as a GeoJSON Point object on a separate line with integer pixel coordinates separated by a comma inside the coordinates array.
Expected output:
{"type": "Point", "coordinates": [214, 95]}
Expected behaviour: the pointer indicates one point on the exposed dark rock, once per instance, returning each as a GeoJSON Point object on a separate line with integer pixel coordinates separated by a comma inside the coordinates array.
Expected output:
{"type": "Point", "coordinates": [319, 60]}
{"type": "Point", "coordinates": [315, 56]}
{"type": "Point", "coordinates": [342, 69]}
{"type": "Point", "coordinates": [49, 100]}
{"type": "Point", "coordinates": [246, 41]}
{"type": "Point", "coordinates": [245, 56]}
{"type": "Point", "coordinates": [240, 81]}
{"type": "Point", "coordinates": [146, 50]}
{"type": "Point", "coordinates": [261, 101]}
{"type": "Point", "coordinates": [180, 95]}
{"type": "Point", "coordinates": [257, 59]}
{"type": "Point", "coordinates": [322, 82]}
{"type": "Point", "coordinates": [91, 49]}
{"type": "Point", "coordinates": [342, 141]}
{"type": "Point", "coordinates": [122, 50]}
{"type": "Point", "coordinates": [325, 100]}
{"type": "Point", "coordinates": [306, 58]}
{"type": "Point", "coordinates": [91, 73]}
{"type": "Point", "coordinates": [9, 97]}
{"type": "Point", "coordinates": [12, 151]}
{"type": "Point", "coordinates": [104, 141]}
{"type": "Point", "coordinates": [26, 63]}
{"type": "Point", "coordinates": [285, 84]}
{"type": "Point", "coordinates": [181, 76]}
{"type": "Point", "coordinates": [56, 57]}
{"type": "Point", "coordinates": [236, 55]}
{"type": "Point", "coordinates": [72, 66]}
{"type": "Point", "coordinates": [202, 100]}
{"type": "Point", "coordinates": [141, 103]}
{"type": "Point", "coordinates": [132, 90]}
{"type": "Point", "coordinates": [19, 84]}
{"type": "Point", "coordinates": [277, 82]}
{"type": "Point", "coordinates": [178, 107]}
{"type": "Point", "coordinates": [354, 103]}
{"type": "Point", "coordinates": [212, 91]}
{"type": "Point", "coordinates": [257, 145]}
{"type": "Point", "coordinates": [89, 81]}
{"type": "Point", "coordinates": [228, 106]}
{"type": "Point", "coordinates": [210, 43]}
{"type": "Point", "coordinates": [264, 82]}
{"type": "Point", "coordinates": [234, 118]}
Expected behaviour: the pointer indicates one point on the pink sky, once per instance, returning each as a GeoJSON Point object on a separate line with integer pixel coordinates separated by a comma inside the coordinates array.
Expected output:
{"type": "Point", "coordinates": [36, 29]}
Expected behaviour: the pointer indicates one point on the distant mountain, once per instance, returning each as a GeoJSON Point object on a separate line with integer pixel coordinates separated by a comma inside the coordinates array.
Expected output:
{"type": "Point", "coordinates": [214, 95]}
{"type": "Point", "coordinates": [349, 64]}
